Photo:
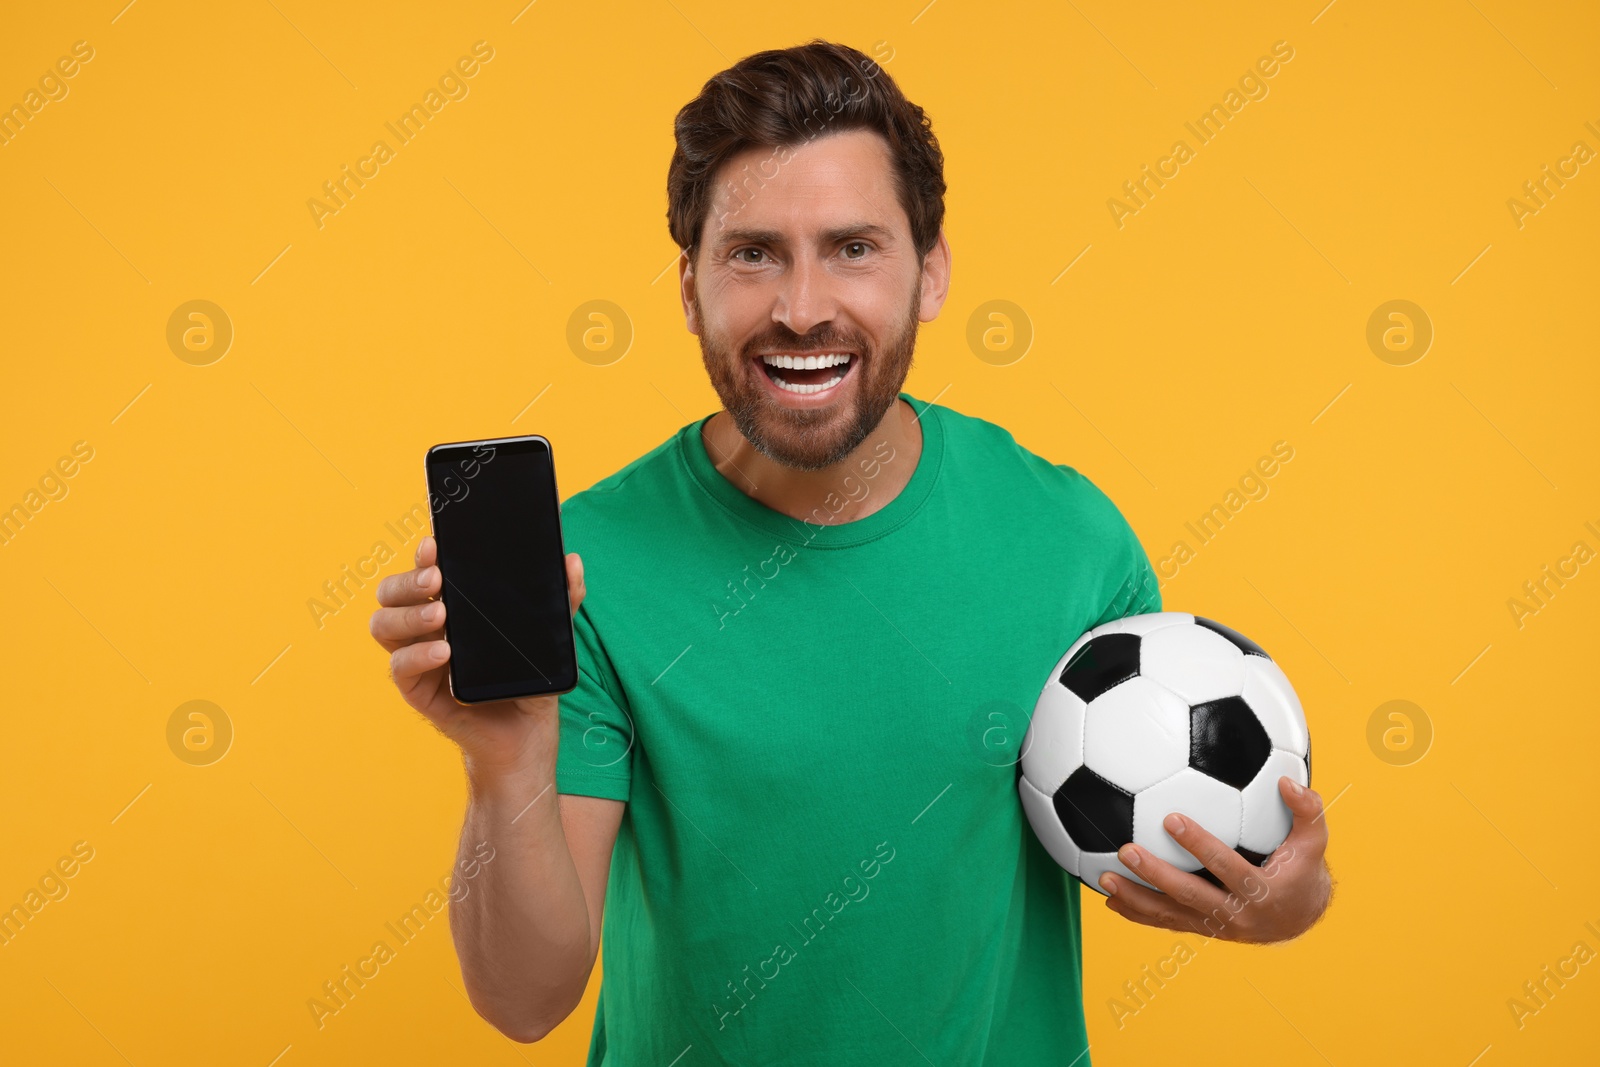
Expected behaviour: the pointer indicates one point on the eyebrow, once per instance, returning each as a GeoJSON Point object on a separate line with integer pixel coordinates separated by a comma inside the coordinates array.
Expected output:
{"type": "Point", "coordinates": [743, 235]}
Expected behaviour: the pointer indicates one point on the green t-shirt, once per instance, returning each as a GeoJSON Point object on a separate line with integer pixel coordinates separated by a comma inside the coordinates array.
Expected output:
{"type": "Point", "coordinates": [824, 859]}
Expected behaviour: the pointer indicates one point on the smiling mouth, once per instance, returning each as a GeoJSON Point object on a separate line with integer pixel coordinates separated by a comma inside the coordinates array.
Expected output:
{"type": "Point", "coordinates": [806, 374]}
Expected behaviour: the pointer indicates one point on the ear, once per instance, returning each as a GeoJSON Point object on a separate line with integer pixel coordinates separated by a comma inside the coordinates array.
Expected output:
{"type": "Point", "coordinates": [935, 280]}
{"type": "Point", "coordinates": [686, 282]}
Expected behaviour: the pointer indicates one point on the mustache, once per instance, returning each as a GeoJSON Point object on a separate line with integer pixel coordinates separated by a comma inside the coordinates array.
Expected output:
{"type": "Point", "coordinates": [789, 341]}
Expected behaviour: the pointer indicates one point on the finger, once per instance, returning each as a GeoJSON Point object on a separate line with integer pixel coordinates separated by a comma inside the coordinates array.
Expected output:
{"type": "Point", "coordinates": [427, 552]}
{"type": "Point", "coordinates": [1131, 915]}
{"type": "Point", "coordinates": [1309, 832]}
{"type": "Point", "coordinates": [402, 626]}
{"type": "Point", "coordinates": [1133, 901]}
{"type": "Point", "coordinates": [1180, 887]}
{"type": "Point", "coordinates": [1230, 867]}
{"type": "Point", "coordinates": [1187, 889]}
{"type": "Point", "coordinates": [409, 587]}
{"type": "Point", "coordinates": [409, 662]}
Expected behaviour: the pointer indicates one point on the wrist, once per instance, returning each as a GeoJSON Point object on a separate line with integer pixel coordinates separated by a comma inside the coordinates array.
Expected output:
{"type": "Point", "coordinates": [498, 802]}
{"type": "Point", "coordinates": [515, 782]}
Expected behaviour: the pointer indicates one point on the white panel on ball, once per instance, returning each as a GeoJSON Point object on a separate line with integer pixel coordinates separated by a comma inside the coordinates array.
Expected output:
{"type": "Point", "coordinates": [1198, 797]}
{"type": "Point", "coordinates": [1136, 734]}
{"type": "Point", "coordinates": [1266, 817]}
{"type": "Point", "coordinates": [1196, 663]}
{"type": "Point", "coordinates": [1273, 699]}
{"type": "Point", "coordinates": [1052, 747]}
{"type": "Point", "coordinates": [1047, 826]}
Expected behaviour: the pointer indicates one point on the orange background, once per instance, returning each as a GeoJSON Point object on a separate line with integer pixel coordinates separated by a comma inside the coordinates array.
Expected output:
{"type": "Point", "coordinates": [1229, 313]}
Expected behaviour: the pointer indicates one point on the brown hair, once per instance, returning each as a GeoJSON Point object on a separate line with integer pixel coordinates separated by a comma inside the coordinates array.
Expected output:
{"type": "Point", "coordinates": [783, 97]}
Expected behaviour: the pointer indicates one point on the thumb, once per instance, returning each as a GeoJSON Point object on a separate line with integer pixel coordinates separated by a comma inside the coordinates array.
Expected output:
{"type": "Point", "coordinates": [1310, 828]}
{"type": "Point", "coordinates": [575, 586]}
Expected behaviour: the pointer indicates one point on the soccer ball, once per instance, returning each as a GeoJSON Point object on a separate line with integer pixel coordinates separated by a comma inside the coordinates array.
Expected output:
{"type": "Point", "coordinates": [1159, 713]}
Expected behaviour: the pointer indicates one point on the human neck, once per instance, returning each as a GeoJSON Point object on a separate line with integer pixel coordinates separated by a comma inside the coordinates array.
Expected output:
{"type": "Point", "coordinates": [865, 480]}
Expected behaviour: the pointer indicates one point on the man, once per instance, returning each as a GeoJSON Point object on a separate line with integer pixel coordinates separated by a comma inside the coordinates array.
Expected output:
{"type": "Point", "coordinates": [780, 777]}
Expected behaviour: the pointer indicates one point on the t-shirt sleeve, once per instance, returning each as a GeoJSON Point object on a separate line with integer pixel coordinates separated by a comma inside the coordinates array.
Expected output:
{"type": "Point", "coordinates": [1137, 591]}
{"type": "Point", "coordinates": [595, 757]}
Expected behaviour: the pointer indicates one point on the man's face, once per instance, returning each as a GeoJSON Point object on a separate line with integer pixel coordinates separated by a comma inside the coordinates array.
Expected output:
{"type": "Point", "coordinates": [806, 252]}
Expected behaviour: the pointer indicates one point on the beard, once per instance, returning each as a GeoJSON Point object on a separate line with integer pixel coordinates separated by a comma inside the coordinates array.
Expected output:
{"type": "Point", "coordinates": [817, 439]}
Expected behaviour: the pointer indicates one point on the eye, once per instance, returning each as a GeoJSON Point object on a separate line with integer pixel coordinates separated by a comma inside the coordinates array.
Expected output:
{"type": "Point", "coordinates": [739, 255]}
{"type": "Point", "coordinates": [856, 244]}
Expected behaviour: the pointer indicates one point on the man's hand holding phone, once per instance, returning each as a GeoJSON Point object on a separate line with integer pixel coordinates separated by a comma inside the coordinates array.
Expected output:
{"type": "Point", "coordinates": [529, 934]}
{"type": "Point", "coordinates": [494, 737]}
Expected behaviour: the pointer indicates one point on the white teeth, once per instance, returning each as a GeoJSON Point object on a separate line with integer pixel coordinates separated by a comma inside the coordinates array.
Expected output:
{"type": "Point", "coordinates": [806, 390]}
{"type": "Point", "coordinates": [831, 359]}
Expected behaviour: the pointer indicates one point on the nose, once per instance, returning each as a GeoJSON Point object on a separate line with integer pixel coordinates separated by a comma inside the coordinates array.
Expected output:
{"type": "Point", "coordinates": [806, 296]}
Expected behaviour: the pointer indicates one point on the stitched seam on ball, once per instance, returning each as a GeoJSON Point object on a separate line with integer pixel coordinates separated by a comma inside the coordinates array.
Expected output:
{"type": "Point", "coordinates": [1240, 835]}
{"type": "Point", "coordinates": [1152, 785]}
{"type": "Point", "coordinates": [1083, 735]}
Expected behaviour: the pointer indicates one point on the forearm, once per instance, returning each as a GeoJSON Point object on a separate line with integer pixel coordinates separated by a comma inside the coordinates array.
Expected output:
{"type": "Point", "coordinates": [521, 926]}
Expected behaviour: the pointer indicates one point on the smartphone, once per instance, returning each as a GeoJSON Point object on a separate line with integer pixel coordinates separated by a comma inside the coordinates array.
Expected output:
{"type": "Point", "coordinates": [497, 523]}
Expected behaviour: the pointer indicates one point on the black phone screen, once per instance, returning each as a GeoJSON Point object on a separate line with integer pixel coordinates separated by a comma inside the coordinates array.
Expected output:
{"type": "Point", "coordinates": [497, 522]}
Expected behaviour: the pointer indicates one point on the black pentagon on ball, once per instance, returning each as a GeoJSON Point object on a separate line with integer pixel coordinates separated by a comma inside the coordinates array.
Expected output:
{"type": "Point", "coordinates": [1240, 641]}
{"type": "Point", "coordinates": [1101, 663]}
{"type": "Point", "coordinates": [1255, 859]}
{"type": "Point", "coordinates": [1227, 741]}
{"type": "Point", "coordinates": [1097, 815]}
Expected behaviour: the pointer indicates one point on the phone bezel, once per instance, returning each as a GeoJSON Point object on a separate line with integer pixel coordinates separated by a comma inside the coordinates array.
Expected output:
{"type": "Point", "coordinates": [439, 452]}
